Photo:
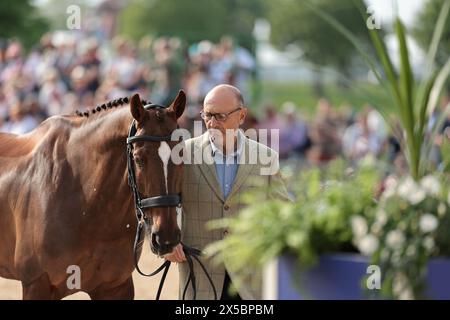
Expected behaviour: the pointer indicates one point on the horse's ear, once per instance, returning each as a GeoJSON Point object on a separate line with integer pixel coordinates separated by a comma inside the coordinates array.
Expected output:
{"type": "Point", "coordinates": [178, 105]}
{"type": "Point", "coordinates": [136, 108]}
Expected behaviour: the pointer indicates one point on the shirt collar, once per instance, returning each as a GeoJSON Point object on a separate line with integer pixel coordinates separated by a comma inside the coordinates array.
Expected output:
{"type": "Point", "coordinates": [236, 153]}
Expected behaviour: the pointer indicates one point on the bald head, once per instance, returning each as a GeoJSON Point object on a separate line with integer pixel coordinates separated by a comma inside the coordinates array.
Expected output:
{"type": "Point", "coordinates": [225, 92]}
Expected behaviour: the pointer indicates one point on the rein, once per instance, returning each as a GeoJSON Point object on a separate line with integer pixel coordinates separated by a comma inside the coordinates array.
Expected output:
{"type": "Point", "coordinates": [189, 252]}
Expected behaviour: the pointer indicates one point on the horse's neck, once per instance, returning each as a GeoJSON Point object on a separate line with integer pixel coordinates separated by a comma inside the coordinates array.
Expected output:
{"type": "Point", "coordinates": [102, 161]}
{"type": "Point", "coordinates": [107, 132]}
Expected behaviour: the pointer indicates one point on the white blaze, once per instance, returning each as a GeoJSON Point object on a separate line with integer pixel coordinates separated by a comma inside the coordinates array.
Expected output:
{"type": "Point", "coordinates": [179, 220]}
{"type": "Point", "coordinates": [164, 153]}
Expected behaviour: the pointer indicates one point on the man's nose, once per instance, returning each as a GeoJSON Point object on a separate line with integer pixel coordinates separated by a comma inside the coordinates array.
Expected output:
{"type": "Point", "coordinates": [213, 120]}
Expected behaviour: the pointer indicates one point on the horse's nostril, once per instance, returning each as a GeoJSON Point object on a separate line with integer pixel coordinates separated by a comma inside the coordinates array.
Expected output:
{"type": "Point", "coordinates": [155, 239]}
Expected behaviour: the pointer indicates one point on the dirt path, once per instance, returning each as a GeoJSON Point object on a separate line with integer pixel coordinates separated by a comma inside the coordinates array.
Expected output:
{"type": "Point", "coordinates": [145, 288]}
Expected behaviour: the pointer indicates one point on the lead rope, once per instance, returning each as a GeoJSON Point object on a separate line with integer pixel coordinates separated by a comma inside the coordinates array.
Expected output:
{"type": "Point", "coordinates": [189, 252]}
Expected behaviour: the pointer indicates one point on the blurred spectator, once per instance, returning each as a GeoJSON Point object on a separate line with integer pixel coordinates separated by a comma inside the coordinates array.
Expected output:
{"type": "Point", "coordinates": [90, 64]}
{"type": "Point", "coordinates": [241, 65]}
{"type": "Point", "coordinates": [21, 120]}
{"type": "Point", "coordinates": [443, 130]}
{"type": "Point", "coordinates": [52, 92]}
{"type": "Point", "coordinates": [293, 133]}
{"type": "Point", "coordinates": [272, 124]}
{"type": "Point", "coordinates": [361, 138]}
{"type": "Point", "coordinates": [324, 134]}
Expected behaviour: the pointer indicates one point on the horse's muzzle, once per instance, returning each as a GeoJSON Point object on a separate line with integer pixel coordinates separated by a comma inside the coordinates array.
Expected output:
{"type": "Point", "coordinates": [161, 246]}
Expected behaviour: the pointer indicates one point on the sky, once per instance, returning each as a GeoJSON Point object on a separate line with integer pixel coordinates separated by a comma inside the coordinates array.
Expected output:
{"type": "Point", "coordinates": [407, 9]}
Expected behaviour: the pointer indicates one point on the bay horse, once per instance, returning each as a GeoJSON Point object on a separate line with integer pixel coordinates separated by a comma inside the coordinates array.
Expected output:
{"type": "Point", "coordinates": [66, 200]}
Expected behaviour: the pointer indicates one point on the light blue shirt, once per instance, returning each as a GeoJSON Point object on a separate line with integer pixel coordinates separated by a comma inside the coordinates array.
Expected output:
{"type": "Point", "coordinates": [227, 165]}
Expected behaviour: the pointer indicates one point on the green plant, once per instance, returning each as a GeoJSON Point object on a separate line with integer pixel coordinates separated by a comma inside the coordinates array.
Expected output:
{"type": "Point", "coordinates": [317, 222]}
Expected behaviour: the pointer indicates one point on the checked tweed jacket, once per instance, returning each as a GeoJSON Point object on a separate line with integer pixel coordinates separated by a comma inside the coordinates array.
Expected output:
{"type": "Point", "coordinates": [203, 201]}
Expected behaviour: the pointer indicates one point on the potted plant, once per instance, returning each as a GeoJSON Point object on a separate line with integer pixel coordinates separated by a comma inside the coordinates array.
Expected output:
{"type": "Point", "coordinates": [396, 233]}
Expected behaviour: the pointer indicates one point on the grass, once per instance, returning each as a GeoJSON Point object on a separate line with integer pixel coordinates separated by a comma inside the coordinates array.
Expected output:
{"type": "Point", "coordinates": [303, 95]}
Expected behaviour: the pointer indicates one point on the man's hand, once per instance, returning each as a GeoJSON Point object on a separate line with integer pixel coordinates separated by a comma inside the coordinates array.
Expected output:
{"type": "Point", "coordinates": [177, 255]}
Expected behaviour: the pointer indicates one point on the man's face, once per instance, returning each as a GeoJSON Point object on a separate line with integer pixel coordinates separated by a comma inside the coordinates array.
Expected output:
{"type": "Point", "coordinates": [223, 101]}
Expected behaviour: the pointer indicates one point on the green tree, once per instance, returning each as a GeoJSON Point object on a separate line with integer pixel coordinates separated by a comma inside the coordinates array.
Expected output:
{"type": "Point", "coordinates": [294, 23]}
{"type": "Point", "coordinates": [21, 20]}
{"type": "Point", "coordinates": [193, 20]}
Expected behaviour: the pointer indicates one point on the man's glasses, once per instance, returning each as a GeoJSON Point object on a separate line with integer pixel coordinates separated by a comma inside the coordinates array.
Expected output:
{"type": "Point", "coordinates": [219, 116]}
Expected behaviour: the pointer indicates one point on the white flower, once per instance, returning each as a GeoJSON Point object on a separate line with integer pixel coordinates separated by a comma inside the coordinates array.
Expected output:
{"type": "Point", "coordinates": [406, 187]}
{"type": "Point", "coordinates": [401, 287]}
{"type": "Point", "coordinates": [416, 196]}
{"type": "Point", "coordinates": [359, 226]}
{"type": "Point", "coordinates": [411, 191]}
{"type": "Point", "coordinates": [428, 243]}
{"type": "Point", "coordinates": [431, 185]}
{"type": "Point", "coordinates": [381, 217]}
{"type": "Point", "coordinates": [441, 209]}
{"type": "Point", "coordinates": [395, 239]}
{"type": "Point", "coordinates": [368, 244]}
{"type": "Point", "coordinates": [428, 223]}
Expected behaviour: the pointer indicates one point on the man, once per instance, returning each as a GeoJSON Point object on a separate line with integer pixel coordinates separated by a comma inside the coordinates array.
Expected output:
{"type": "Point", "coordinates": [221, 168]}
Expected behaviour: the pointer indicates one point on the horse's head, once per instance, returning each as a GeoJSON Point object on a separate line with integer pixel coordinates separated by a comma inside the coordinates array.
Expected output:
{"type": "Point", "coordinates": [155, 172]}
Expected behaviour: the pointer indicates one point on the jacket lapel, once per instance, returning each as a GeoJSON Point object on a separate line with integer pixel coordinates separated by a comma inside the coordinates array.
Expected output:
{"type": "Point", "coordinates": [203, 156]}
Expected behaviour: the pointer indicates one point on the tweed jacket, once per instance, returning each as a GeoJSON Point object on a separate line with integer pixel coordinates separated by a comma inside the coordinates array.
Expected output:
{"type": "Point", "coordinates": [203, 201]}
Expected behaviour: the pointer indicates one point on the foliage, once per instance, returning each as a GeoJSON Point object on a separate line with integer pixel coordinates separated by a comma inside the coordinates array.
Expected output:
{"type": "Point", "coordinates": [193, 20]}
{"type": "Point", "coordinates": [317, 222]}
{"type": "Point", "coordinates": [21, 20]}
{"type": "Point", "coordinates": [295, 23]}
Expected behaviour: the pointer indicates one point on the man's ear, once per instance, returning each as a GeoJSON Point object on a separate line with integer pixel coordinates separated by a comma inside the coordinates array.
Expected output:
{"type": "Point", "coordinates": [178, 104]}
{"type": "Point", "coordinates": [136, 108]}
{"type": "Point", "coordinates": [243, 115]}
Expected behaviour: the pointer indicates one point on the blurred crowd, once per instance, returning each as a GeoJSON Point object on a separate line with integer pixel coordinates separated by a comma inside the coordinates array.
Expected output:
{"type": "Point", "coordinates": [70, 71]}
{"type": "Point", "coordinates": [340, 132]}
